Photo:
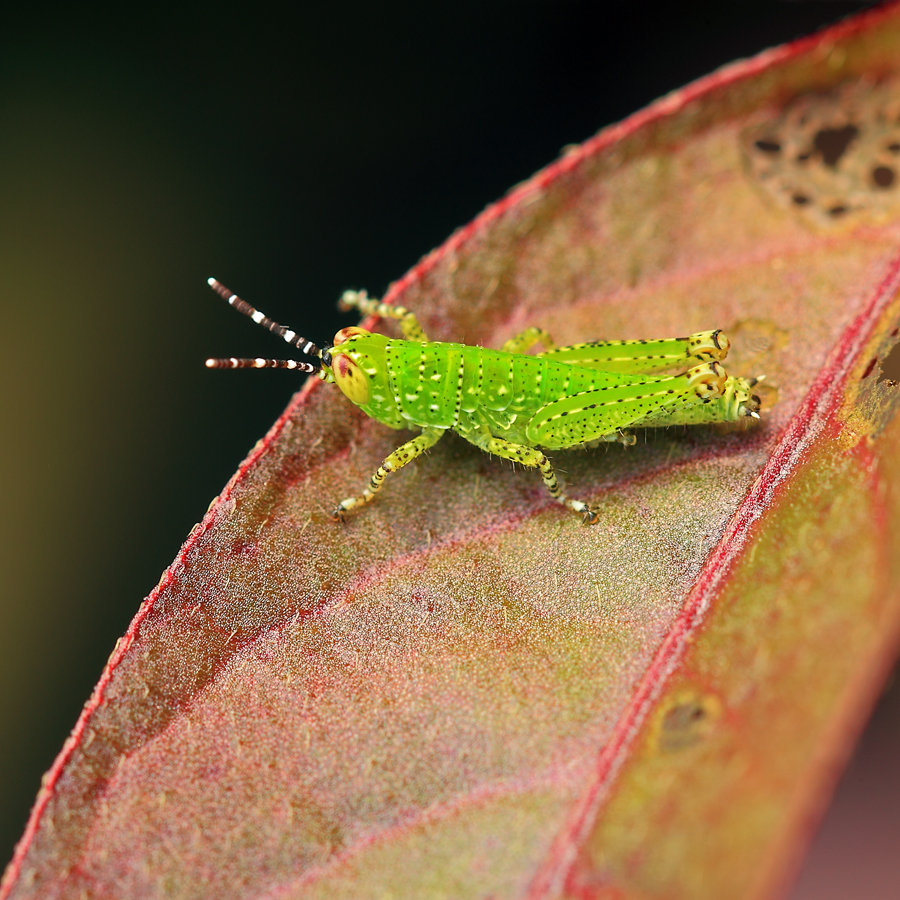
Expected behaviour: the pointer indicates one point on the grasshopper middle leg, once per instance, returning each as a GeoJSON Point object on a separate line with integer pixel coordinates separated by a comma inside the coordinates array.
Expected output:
{"type": "Point", "coordinates": [525, 340]}
{"type": "Point", "coordinates": [369, 306]}
{"type": "Point", "coordinates": [535, 459]}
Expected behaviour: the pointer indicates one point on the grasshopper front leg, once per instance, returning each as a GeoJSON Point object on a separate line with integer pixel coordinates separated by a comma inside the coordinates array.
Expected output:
{"type": "Point", "coordinates": [369, 306]}
{"type": "Point", "coordinates": [404, 454]}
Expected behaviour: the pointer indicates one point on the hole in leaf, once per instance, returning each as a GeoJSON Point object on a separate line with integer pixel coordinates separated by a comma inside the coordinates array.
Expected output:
{"type": "Point", "coordinates": [837, 210]}
{"type": "Point", "coordinates": [832, 143]}
{"type": "Point", "coordinates": [800, 199]}
{"type": "Point", "coordinates": [890, 366]}
{"type": "Point", "coordinates": [883, 176]}
{"type": "Point", "coordinates": [768, 146]}
{"type": "Point", "coordinates": [687, 721]}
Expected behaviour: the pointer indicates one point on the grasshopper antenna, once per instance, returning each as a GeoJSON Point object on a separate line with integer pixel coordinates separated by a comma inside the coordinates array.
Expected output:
{"type": "Point", "coordinates": [232, 362]}
{"type": "Point", "coordinates": [285, 333]}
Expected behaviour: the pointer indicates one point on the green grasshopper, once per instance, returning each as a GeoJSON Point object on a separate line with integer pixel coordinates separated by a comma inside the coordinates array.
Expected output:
{"type": "Point", "coordinates": [507, 402]}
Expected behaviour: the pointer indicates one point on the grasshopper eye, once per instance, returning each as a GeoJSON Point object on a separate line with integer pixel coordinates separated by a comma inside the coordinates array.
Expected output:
{"type": "Point", "coordinates": [351, 331]}
{"type": "Point", "coordinates": [349, 377]}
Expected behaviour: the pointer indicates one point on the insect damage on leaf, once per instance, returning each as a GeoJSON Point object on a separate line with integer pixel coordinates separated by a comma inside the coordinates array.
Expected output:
{"type": "Point", "coordinates": [507, 402]}
{"type": "Point", "coordinates": [834, 158]}
{"type": "Point", "coordinates": [685, 719]}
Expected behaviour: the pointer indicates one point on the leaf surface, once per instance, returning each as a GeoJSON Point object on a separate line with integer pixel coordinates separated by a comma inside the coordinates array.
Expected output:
{"type": "Point", "coordinates": [463, 691]}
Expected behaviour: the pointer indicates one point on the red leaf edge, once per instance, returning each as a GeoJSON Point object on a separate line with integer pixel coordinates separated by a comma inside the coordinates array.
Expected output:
{"type": "Point", "coordinates": [814, 415]}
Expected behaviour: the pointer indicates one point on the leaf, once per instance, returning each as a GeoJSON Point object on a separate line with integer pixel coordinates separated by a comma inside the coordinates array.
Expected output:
{"type": "Point", "coordinates": [464, 692]}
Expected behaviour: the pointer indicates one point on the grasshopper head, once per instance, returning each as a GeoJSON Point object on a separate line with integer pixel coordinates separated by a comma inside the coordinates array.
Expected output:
{"type": "Point", "coordinates": [357, 365]}
{"type": "Point", "coordinates": [739, 399]}
{"type": "Point", "coordinates": [356, 361]}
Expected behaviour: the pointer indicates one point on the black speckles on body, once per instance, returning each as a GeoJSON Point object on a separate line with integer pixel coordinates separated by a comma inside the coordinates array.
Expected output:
{"type": "Point", "coordinates": [602, 409]}
{"type": "Point", "coordinates": [426, 381]}
{"type": "Point", "coordinates": [394, 367]}
{"type": "Point", "coordinates": [460, 382]}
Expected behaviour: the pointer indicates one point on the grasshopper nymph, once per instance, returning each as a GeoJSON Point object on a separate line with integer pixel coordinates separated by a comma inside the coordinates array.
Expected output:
{"type": "Point", "coordinates": [508, 402]}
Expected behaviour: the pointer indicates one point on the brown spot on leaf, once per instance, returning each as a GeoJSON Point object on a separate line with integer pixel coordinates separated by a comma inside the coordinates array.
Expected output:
{"type": "Point", "coordinates": [686, 720]}
{"type": "Point", "coordinates": [837, 159]}
{"type": "Point", "coordinates": [890, 365]}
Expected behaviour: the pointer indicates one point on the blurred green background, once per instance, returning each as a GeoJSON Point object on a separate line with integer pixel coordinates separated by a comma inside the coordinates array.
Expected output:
{"type": "Point", "coordinates": [142, 150]}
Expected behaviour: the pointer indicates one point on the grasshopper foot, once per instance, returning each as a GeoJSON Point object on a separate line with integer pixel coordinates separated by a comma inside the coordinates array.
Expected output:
{"type": "Point", "coordinates": [590, 514]}
{"type": "Point", "coordinates": [352, 504]}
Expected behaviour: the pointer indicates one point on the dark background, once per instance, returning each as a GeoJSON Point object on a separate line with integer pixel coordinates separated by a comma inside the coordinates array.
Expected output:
{"type": "Point", "coordinates": [291, 157]}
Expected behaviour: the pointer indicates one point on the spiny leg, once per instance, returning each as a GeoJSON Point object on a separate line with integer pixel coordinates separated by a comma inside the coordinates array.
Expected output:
{"type": "Point", "coordinates": [404, 454]}
{"type": "Point", "coordinates": [369, 306]}
{"type": "Point", "coordinates": [619, 436]}
{"type": "Point", "coordinates": [529, 456]}
{"type": "Point", "coordinates": [525, 340]}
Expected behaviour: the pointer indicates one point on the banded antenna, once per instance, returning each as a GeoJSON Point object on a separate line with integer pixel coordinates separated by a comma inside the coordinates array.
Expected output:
{"type": "Point", "coordinates": [233, 362]}
{"type": "Point", "coordinates": [285, 333]}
